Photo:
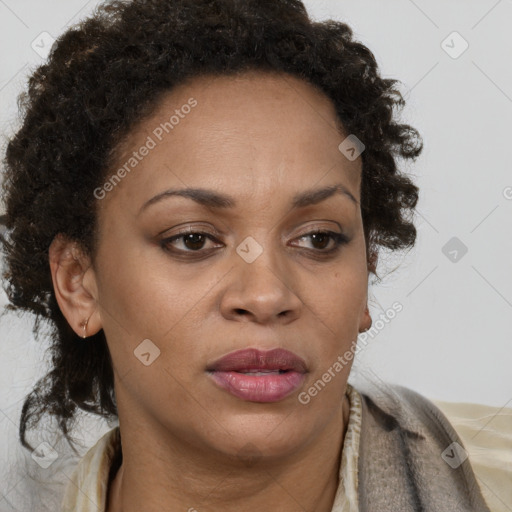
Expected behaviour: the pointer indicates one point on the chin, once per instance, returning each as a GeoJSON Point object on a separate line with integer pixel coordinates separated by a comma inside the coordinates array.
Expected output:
{"type": "Point", "coordinates": [269, 436]}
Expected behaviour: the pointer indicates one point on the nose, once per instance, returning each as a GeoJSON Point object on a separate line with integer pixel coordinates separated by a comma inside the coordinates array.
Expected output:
{"type": "Point", "coordinates": [263, 291]}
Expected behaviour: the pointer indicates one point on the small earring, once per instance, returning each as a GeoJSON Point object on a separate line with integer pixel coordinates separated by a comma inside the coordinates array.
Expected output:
{"type": "Point", "coordinates": [84, 325]}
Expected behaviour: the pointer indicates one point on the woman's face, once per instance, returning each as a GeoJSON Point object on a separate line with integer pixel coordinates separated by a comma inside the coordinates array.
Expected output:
{"type": "Point", "coordinates": [253, 276]}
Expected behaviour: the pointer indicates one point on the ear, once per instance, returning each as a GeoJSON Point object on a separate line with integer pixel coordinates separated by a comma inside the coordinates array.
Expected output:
{"type": "Point", "coordinates": [372, 258]}
{"type": "Point", "coordinates": [366, 320]}
{"type": "Point", "coordinates": [74, 284]}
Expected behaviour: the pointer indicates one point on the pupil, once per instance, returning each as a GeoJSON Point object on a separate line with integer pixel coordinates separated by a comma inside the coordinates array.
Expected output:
{"type": "Point", "coordinates": [195, 239]}
{"type": "Point", "coordinates": [320, 236]}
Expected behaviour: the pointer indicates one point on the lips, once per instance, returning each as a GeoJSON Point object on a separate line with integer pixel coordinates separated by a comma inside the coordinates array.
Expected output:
{"type": "Point", "coordinates": [259, 376]}
{"type": "Point", "coordinates": [253, 360]}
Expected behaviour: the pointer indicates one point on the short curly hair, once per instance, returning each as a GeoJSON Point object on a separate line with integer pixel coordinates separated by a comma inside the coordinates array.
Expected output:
{"type": "Point", "coordinates": [106, 74]}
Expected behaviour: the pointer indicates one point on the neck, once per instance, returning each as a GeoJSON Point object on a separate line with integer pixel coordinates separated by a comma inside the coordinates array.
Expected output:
{"type": "Point", "coordinates": [307, 480]}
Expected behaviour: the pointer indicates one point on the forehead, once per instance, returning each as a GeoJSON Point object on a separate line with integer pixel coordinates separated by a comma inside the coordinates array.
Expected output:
{"type": "Point", "coordinates": [264, 129]}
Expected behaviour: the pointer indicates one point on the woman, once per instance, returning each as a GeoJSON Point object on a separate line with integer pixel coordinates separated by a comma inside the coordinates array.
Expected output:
{"type": "Point", "coordinates": [196, 199]}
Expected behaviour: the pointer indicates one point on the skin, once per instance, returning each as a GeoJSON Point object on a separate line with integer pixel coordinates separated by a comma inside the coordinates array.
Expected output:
{"type": "Point", "coordinates": [188, 444]}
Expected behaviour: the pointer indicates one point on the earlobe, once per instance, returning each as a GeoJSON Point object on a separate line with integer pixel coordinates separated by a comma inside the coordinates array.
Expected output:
{"type": "Point", "coordinates": [366, 321]}
{"type": "Point", "coordinates": [372, 258]}
{"type": "Point", "coordinates": [74, 285]}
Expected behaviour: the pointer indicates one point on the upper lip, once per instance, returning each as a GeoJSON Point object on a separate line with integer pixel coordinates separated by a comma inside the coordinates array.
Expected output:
{"type": "Point", "coordinates": [254, 359]}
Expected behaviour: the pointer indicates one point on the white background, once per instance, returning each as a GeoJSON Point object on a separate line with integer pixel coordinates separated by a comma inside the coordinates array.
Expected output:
{"type": "Point", "coordinates": [453, 339]}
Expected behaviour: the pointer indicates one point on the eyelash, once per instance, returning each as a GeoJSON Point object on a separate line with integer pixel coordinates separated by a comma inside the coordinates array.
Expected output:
{"type": "Point", "coordinates": [339, 240]}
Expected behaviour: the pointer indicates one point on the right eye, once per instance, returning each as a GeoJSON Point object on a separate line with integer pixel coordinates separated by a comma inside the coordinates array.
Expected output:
{"type": "Point", "coordinates": [192, 241]}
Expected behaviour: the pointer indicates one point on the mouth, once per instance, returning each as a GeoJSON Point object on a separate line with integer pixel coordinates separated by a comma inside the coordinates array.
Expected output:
{"type": "Point", "coordinates": [259, 376]}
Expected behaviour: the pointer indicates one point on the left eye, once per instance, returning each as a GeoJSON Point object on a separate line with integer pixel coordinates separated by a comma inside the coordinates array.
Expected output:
{"type": "Point", "coordinates": [322, 238]}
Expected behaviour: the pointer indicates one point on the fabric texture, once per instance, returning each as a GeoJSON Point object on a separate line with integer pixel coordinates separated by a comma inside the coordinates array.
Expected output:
{"type": "Point", "coordinates": [487, 436]}
{"type": "Point", "coordinates": [410, 457]}
{"type": "Point", "coordinates": [484, 433]}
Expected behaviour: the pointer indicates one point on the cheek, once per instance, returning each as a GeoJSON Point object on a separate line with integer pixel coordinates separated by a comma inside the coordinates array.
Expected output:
{"type": "Point", "coordinates": [340, 294]}
{"type": "Point", "coordinates": [146, 296]}
{"type": "Point", "coordinates": [336, 305]}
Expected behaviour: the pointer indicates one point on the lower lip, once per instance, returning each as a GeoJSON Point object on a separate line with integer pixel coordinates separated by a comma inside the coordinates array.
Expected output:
{"type": "Point", "coordinates": [259, 388]}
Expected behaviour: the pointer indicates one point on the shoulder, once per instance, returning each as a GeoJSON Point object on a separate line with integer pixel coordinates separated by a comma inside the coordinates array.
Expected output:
{"type": "Point", "coordinates": [405, 407]}
{"type": "Point", "coordinates": [408, 441]}
{"type": "Point", "coordinates": [88, 484]}
{"type": "Point", "coordinates": [486, 434]}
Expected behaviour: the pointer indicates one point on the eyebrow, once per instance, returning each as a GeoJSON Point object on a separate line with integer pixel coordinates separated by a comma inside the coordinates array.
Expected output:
{"type": "Point", "coordinates": [213, 199]}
